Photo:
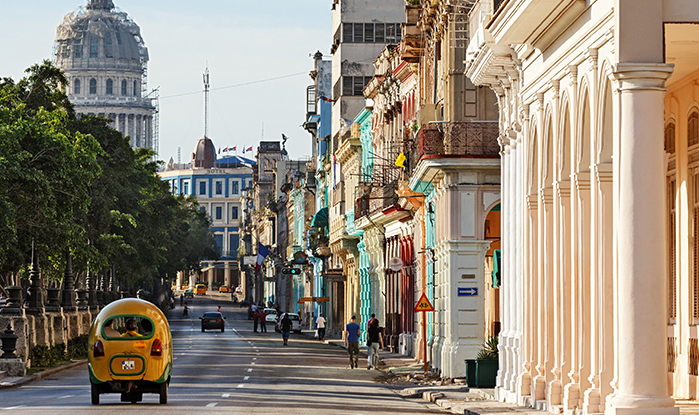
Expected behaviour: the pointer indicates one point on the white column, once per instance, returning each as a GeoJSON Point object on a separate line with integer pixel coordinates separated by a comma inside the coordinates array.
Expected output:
{"type": "Point", "coordinates": [210, 275]}
{"type": "Point", "coordinates": [227, 274]}
{"type": "Point", "coordinates": [640, 240]}
{"type": "Point", "coordinates": [504, 373]}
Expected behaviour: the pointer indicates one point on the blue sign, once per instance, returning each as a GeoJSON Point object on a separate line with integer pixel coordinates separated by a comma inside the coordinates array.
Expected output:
{"type": "Point", "coordinates": [468, 292]}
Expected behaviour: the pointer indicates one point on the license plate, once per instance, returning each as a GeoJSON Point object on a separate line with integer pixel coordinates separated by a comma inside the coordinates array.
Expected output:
{"type": "Point", "coordinates": [128, 365]}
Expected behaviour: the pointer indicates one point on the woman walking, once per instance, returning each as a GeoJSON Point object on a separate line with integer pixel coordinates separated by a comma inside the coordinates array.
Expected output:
{"type": "Point", "coordinates": [374, 339]}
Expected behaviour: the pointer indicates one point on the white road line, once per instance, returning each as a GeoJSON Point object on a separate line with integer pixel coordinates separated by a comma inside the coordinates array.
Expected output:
{"type": "Point", "coordinates": [67, 396]}
{"type": "Point", "coordinates": [174, 358]}
{"type": "Point", "coordinates": [182, 354]}
{"type": "Point", "coordinates": [211, 405]}
{"type": "Point", "coordinates": [241, 385]}
{"type": "Point", "coordinates": [13, 407]}
{"type": "Point", "coordinates": [246, 378]}
{"type": "Point", "coordinates": [226, 395]}
{"type": "Point", "coordinates": [249, 370]}
{"type": "Point", "coordinates": [252, 363]}
{"type": "Point", "coordinates": [254, 358]}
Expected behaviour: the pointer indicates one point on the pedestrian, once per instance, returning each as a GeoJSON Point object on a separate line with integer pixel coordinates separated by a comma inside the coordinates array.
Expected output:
{"type": "Point", "coordinates": [368, 358]}
{"type": "Point", "coordinates": [320, 326]}
{"type": "Point", "coordinates": [219, 309]}
{"type": "Point", "coordinates": [352, 341]}
{"type": "Point", "coordinates": [185, 311]}
{"type": "Point", "coordinates": [181, 300]}
{"type": "Point", "coordinates": [263, 321]}
{"type": "Point", "coordinates": [255, 320]}
{"type": "Point", "coordinates": [374, 339]}
{"type": "Point", "coordinates": [285, 326]}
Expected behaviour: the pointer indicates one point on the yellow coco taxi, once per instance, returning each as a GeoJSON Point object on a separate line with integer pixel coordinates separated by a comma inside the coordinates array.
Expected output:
{"type": "Point", "coordinates": [201, 289]}
{"type": "Point", "coordinates": [130, 351]}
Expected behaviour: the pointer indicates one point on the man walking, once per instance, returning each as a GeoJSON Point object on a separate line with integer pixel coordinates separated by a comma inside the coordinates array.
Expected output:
{"type": "Point", "coordinates": [255, 320]}
{"type": "Point", "coordinates": [285, 328]}
{"type": "Point", "coordinates": [320, 326]}
{"type": "Point", "coordinates": [263, 321]}
{"type": "Point", "coordinates": [352, 341]}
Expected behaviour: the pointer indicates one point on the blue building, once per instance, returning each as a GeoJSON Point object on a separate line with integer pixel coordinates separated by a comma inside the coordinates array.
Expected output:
{"type": "Point", "coordinates": [218, 186]}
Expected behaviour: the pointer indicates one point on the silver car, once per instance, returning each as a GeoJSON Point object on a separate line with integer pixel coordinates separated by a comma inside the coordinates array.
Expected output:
{"type": "Point", "coordinates": [295, 322]}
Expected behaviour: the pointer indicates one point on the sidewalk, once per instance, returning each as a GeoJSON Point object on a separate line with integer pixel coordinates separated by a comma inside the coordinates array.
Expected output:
{"type": "Point", "coordinates": [18, 381]}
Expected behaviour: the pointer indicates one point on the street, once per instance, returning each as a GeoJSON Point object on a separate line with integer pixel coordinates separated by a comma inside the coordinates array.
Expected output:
{"type": "Point", "coordinates": [237, 371]}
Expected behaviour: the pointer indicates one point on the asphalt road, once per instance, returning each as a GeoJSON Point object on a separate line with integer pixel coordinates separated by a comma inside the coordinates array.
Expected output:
{"type": "Point", "coordinates": [236, 372]}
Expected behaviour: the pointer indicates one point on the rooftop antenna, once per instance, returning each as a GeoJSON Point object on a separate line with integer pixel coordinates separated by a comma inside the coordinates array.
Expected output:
{"type": "Point", "coordinates": [206, 101]}
{"type": "Point", "coordinates": [179, 155]}
{"type": "Point", "coordinates": [263, 131]}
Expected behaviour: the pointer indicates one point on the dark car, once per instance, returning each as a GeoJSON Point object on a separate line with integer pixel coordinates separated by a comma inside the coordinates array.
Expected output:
{"type": "Point", "coordinates": [212, 320]}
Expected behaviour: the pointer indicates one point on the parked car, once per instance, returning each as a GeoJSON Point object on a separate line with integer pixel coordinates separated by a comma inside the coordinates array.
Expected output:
{"type": "Point", "coordinates": [224, 289]}
{"type": "Point", "coordinates": [212, 320]}
{"type": "Point", "coordinates": [295, 322]}
{"type": "Point", "coordinates": [271, 315]}
{"type": "Point", "coordinates": [200, 289]}
{"type": "Point", "coordinates": [189, 293]}
{"type": "Point", "coordinates": [130, 351]}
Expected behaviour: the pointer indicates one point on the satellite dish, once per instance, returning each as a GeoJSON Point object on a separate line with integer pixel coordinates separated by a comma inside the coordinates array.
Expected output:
{"type": "Point", "coordinates": [395, 264]}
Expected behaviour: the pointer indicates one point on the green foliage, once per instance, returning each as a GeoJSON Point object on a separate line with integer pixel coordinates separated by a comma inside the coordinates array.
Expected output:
{"type": "Point", "coordinates": [77, 348]}
{"type": "Point", "coordinates": [47, 356]}
{"type": "Point", "coordinates": [489, 350]}
{"type": "Point", "coordinates": [77, 184]}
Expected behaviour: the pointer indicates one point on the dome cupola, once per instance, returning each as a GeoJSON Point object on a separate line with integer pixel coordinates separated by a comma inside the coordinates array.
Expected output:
{"type": "Point", "coordinates": [204, 155]}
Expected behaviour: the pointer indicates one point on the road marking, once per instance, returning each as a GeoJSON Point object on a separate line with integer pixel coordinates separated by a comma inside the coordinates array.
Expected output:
{"type": "Point", "coordinates": [249, 370]}
{"type": "Point", "coordinates": [245, 378]}
{"type": "Point", "coordinates": [13, 407]}
{"type": "Point", "coordinates": [254, 358]}
{"type": "Point", "coordinates": [211, 405]}
{"type": "Point", "coordinates": [175, 358]}
{"type": "Point", "coordinates": [226, 395]}
{"type": "Point", "coordinates": [67, 396]}
{"type": "Point", "coordinates": [252, 363]}
{"type": "Point", "coordinates": [241, 385]}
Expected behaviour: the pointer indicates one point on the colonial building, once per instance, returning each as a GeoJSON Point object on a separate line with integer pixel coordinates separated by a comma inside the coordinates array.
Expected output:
{"type": "Point", "coordinates": [105, 59]}
{"type": "Point", "coordinates": [598, 124]}
{"type": "Point", "coordinates": [218, 186]}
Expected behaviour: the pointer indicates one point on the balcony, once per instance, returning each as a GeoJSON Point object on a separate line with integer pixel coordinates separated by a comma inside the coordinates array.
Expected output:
{"type": "Point", "coordinates": [458, 139]}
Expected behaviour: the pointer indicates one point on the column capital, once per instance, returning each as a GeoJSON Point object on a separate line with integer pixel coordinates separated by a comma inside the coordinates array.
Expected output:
{"type": "Point", "coordinates": [642, 76]}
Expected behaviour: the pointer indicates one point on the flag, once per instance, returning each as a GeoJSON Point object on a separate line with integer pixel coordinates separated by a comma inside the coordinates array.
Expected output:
{"type": "Point", "coordinates": [219, 150]}
{"type": "Point", "coordinates": [262, 253]}
{"type": "Point", "coordinates": [326, 99]}
{"type": "Point", "coordinates": [225, 150]}
{"type": "Point", "coordinates": [249, 148]}
{"type": "Point", "coordinates": [235, 148]}
{"type": "Point", "coordinates": [400, 161]}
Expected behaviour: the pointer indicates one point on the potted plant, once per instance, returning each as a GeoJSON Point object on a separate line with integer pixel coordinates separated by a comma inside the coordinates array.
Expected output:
{"type": "Point", "coordinates": [482, 371]}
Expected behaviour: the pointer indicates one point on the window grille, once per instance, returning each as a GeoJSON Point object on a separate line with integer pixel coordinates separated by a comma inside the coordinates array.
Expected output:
{"type": "Point", "coordinates": [671, 354]}
{"type": "Point", "coordinates": [123, 87]}
{"type": "Point", "coordinates": [76, 86]}
{"type": "Point", "coordinates": [693, 129]}
{"type": "Point", "coordinates": [93, 86]}
{"type": "Point", "coordinates": [110, 87]}
{"type": "Point", "coordinates": [371, 32]}
{"type": "Point", "coordinates": [670, 138]}
{"type": "Point", "coordinates": [693, 357]}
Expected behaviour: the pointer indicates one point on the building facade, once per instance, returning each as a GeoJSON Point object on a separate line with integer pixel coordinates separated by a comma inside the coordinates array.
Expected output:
{"type": "Point", "coordinates": [218, 186]}
{"type": "Point", "coordinates": [598, 124]}
{"type": "Point", "coordinates": [105, 59]}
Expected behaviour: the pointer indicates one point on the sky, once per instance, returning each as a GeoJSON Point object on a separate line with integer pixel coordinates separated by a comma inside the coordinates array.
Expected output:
{"type": "Point", "coordinates": [259, 55]}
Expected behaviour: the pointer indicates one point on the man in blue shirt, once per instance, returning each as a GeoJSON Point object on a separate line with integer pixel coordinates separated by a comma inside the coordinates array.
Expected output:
{"type": "Point", "coordinates": [352, 341]}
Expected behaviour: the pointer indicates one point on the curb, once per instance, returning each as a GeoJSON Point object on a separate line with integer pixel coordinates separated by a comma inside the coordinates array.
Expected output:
{"type": "Point", "coordinates": [41, 375]}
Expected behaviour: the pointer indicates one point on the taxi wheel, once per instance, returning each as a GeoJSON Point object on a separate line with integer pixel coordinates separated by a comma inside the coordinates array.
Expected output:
{"type": "Point", "coordinates": [95, 394]}
{"type": "Point", "coordinates": [163, 393]}
{"type": "Point", "coordinates": [222, 329]}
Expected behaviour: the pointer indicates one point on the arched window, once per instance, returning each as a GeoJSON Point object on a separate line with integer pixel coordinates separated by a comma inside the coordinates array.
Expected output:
{"type": "Point", "coordinates": [670, 138]}
{"type": "Point", "coordinates": [93, 86]}
{"type": "Point", "coordinates": [110, 87]}
{"type": "Point", "coordinates": [135, 88]}
{"type": "Point", "coordinates": [123, 87]}
{"type": "Point", "coordinates": [76, 86]}
{"type": "Point", "coordinates": [693, 129]}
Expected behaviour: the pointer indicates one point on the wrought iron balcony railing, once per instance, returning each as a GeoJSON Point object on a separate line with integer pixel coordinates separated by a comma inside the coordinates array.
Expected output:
{"type": "Point", "coordinates": [459, 139]}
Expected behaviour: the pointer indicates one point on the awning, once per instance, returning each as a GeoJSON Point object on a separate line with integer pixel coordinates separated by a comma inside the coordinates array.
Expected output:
{"type": "Point", "coordinates": [320, 219]}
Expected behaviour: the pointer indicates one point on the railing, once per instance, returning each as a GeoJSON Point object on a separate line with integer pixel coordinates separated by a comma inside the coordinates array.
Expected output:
{"type": "Point", "coordinates": [459, 139]}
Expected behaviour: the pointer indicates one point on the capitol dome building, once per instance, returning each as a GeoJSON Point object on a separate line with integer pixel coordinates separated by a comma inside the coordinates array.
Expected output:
{"type": "Point", "coordinates": [105, 59]}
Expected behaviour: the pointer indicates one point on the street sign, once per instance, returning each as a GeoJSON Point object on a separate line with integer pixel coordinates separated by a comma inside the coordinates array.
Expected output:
{"type": "Point", "coordinates": [304, 300]}
{"type": "Point", "coordinates": [249, 260]}
{"type": "Point", "coordinates": [395, 264]}
{"type": "Point", "coordinates": [423, 304]}
{"type": "Point", "coordinates": [467, 292]}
